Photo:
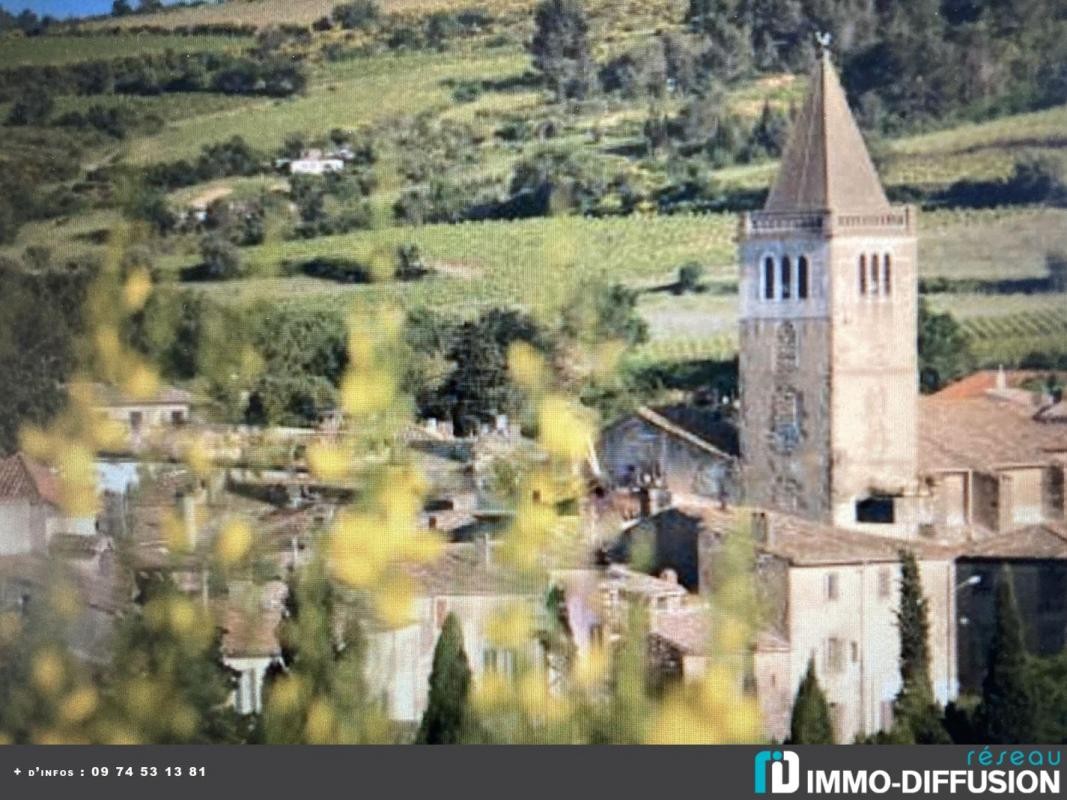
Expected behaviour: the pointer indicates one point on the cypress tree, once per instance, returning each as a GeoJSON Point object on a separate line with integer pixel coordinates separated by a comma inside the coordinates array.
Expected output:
{"type": "Point", "coordinates": [1008, 713]}
{"type": "Point", "coordinates": [916, 716]}
{"type": "Point", "coordinates": [811, 714]}
{"type": "Point", "coordinates": [317, 694]}
{"type": "Point", "coordinates": [447, 719]}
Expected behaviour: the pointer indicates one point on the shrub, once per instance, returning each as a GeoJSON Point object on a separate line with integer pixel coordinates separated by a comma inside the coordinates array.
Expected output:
{"type": "Point", "coordinates": [221, 261]}
{"type": "Point", "coordinates": [358, 15]}
{"type": "Point", "coordinates": [689, 276]}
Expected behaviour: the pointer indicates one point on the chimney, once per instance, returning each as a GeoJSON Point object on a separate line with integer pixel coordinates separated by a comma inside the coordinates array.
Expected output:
{"type": "Point", "coordinates": [431, 523]}
{"type": "Point", "coordinates": [483, 548]}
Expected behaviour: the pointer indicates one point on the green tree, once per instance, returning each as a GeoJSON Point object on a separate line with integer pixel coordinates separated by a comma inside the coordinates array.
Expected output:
{"type": "Point", "coordinates": [560, 47]}
{"type": "Point", "coordinates": [167, 649]}
{"type": "Point", "coordinates": [358, 15]}
{"type": "Point", "coordinates": [318, 693]}
{"type": "Point", "coordinates": [916, 716]}
{"type": "Point", "coordinates": [1008, 713]}
{"type": "Point", "coordinates": [601, 312]}
{"type": "Point", "coordinates": [221, 259]}
{"type": "Point", "coordinates": [689, 277]}
{"type": "Point", "coordinates": [1049, 675]}
{"type": "Point", "coordinates": [40, 319]}
{"type": "Point", "coordinates": [810, 723]}
{"type": "Point", "coordinates": [479, 386]}
{"type": "Point", "coordinates": [944, 349]}
{"type": "Point", "coordinates": [448, 718]}
{"type": "Point", "coordinates": [120, 8]}
{"type": "Point", "coordinates": [727, 32]}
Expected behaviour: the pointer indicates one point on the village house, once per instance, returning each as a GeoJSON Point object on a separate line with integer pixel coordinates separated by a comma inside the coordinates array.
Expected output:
{"type": "Point", "coordinates": [315, 162]}
{"type": "Point", "coordinates": [995, 456]}
{"type": "Point", "coordinates": [826, 593]}
{"type": "Point", "coordinates": [166, 408]}
{"type": "Point", "coordinates": [31, 512]}
{"type": "Point", "coordinates": [683, 450]}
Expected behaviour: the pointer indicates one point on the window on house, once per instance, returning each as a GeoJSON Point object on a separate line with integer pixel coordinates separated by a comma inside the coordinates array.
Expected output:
{"type": "Point", "coordinates": [498, 661]}
{"type": "Point", "coordinates": [787, 277]}
{"type": "Point", "coordinates": [177, 417]}
{"type": "Point", "coordinates": [874, 274]}
{"type": "Point", "coordinates": [596, 634]}
{"type": "Point", "coordinates": [835, 655]}
{"type": "Point", "coordinates": [878, 510]}
{"type": "Point", "coordinates": [768, 278]}
{"type": "Point", "coordinates": [832, 587]}
{"type": "Point", "coordinates": [136, 420]}
{"type": "Point", "coordinates": [863, 274]}
{"type": "Point", "coordinates": [887, 277]}
{"type": "Point", "coordinates": [885, 582]}
{"type": "Point", "coordinates": [854, 648]}
{"type": "Point", "coordinates": [802, 278]}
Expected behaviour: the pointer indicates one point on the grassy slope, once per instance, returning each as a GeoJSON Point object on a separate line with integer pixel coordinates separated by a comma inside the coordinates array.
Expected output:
{"type": "Point", "coordinates": [18, 51]}
{"type": "Point", "coordinates": [513, 262]}
{"type": "Point", "coordinates": [262, 13]}
{"type": "Point", "coordinates": [349, 94]}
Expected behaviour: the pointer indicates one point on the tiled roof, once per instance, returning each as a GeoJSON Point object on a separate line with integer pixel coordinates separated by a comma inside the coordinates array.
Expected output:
{"type": "Point", "coordinates": [687, 629]}
{"type": "Point", "coordinates": [249, 620]}
{"type": "Point", "coordinates": [460, 571]}
{"type": "Point", "coordinates": [699, 427]}
{"type": "Point", "coordinates": [1047, 540]}
{"type": "Point", "coordinates": [978, 383]}
{"type": "Point", "coordinates": [805, 543]}
{"type": "Point", "coordinates": [983, 433]}
{"type": "Point", "coordinates": [826, 166]}
{"type": "Point", "coordinates": [107, 395]}
{"type": "Point", "coordinates": [23, 479]}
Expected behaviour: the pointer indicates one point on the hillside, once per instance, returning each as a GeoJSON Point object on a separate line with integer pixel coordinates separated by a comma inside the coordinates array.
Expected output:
{"type": "Point", "coordinates": [459, 130]}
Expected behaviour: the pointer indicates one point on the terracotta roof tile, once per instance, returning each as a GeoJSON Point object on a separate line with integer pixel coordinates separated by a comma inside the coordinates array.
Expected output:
{"type": "Point", "coordinates": [23, 479]}
{"type": "Point", "coordinates": [983, 433]}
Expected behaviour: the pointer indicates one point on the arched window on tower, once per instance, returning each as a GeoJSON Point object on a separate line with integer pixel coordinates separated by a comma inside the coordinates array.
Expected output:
{"type": "Point", "coordinates": [768, 278]}
{"type": "Point", "coordinates": [887, 275]}
{"type": "Point", "coordinates": [802, 278]}
{"type": "Point", "coordinates": [787, 278]}
{"type": "Point", "coordinates": [874, 273]}
{"type": "Point", "coordinates": [863, 274]}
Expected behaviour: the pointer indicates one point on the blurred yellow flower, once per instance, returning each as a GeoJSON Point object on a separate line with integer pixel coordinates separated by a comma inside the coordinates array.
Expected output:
{"type": "Point", "coordinates": [234, 542]}
{"type": "Point", "coordinates": [137, 289]}
{"type": "Point", "coordinates": [565, 430]}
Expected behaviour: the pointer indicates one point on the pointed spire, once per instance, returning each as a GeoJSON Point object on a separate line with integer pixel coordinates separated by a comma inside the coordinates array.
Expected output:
{"type": "Point", "coordinates": [826, 166]}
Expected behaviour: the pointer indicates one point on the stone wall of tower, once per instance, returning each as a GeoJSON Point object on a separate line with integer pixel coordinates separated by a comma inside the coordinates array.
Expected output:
{"type": "Point", "coordinates": [874, 399]}
{"type": "Point", "coordinates": [785, 373]}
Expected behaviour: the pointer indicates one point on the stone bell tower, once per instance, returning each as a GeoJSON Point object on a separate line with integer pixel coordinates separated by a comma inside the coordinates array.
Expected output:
{"type": "Point", "coordinates": [829, 385]}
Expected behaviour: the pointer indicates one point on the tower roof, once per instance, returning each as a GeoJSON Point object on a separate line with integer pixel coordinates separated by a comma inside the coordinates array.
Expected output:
{"type": "Point", "coordinates": [826, 166]}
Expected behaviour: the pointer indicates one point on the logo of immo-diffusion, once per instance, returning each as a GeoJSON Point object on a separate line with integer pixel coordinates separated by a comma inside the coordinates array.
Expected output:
{"type": "Point", "coordinates": [784, 768]}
